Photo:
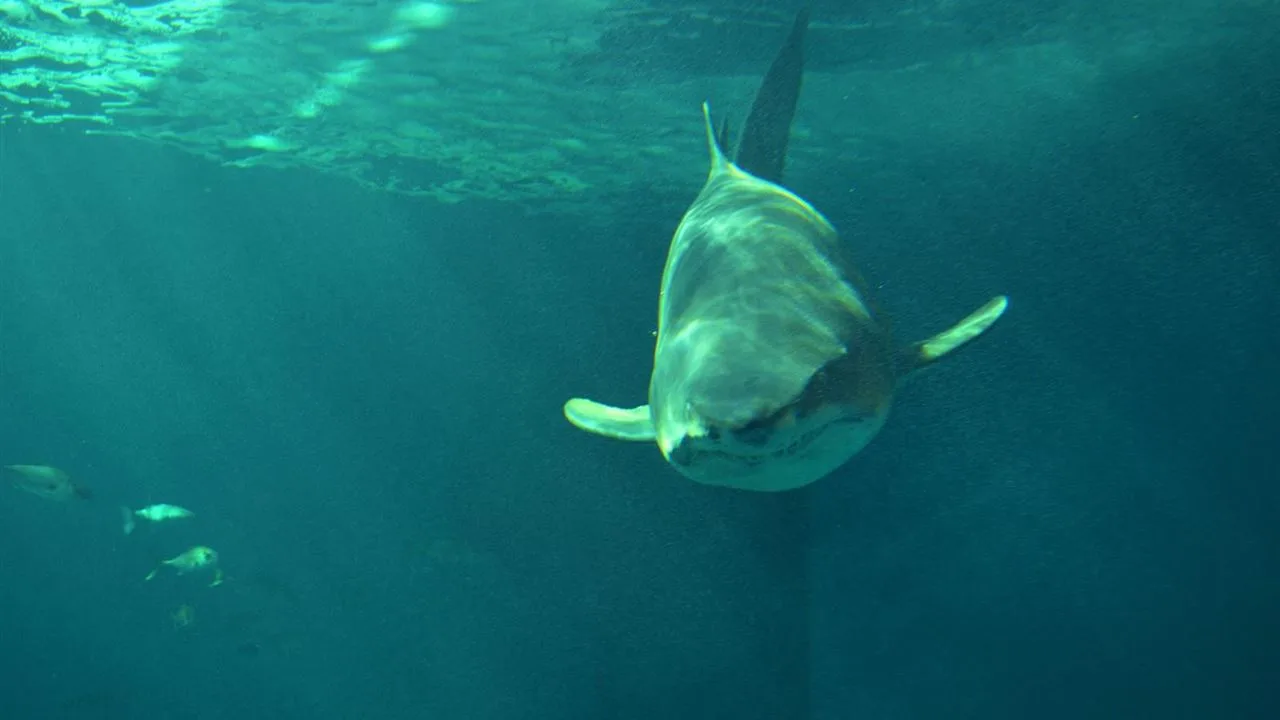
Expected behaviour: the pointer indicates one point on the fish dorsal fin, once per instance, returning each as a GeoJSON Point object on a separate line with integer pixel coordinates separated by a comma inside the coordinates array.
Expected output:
{"type": "Point", "coordinates": [926, 352]}
{"type": "Point", "coordinates": [719, 161]}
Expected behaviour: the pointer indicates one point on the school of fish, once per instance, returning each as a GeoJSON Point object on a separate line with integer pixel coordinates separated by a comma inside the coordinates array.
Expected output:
{"type": "Point", "coordinates": [54, 484]}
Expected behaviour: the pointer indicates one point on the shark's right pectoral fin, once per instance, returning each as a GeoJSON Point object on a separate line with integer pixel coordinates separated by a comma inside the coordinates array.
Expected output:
{"type": "Point", "coordinates": [928, 351]}
{"type": "Point", "coordinates": [632, 424]}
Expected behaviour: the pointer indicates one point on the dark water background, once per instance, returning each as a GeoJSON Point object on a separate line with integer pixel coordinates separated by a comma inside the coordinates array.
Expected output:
{"type": "Point", "coordinates": [359, 394]}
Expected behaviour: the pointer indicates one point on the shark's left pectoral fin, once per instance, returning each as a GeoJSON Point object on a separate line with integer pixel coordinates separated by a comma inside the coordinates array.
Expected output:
{"type": "Point", "coordinates": [926, 352]}
{"type": "Point", "coordinates": [632, 424]}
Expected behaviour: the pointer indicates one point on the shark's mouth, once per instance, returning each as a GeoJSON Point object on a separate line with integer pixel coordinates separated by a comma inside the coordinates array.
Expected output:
{"type": "Point", "coordinates": [752, 446]}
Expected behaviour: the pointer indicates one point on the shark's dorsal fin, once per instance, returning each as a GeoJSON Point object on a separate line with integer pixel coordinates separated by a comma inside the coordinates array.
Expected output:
{"type": "Point", "coordinates": [719, 161]}
{"type": "Point", "coordinates": [763, 148]}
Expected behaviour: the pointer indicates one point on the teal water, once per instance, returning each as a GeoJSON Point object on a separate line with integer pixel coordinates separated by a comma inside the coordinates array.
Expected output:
{"type": "Point", "coordinates": [359, 395]}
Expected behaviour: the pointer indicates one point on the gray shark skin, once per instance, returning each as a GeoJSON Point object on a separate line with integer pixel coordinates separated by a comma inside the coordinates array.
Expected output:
{"type": "Point", "coordinates": [771, 368]}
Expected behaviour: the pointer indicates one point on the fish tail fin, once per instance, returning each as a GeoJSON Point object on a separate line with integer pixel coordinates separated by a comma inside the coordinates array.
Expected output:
{"type": "Point", "coordinates": [127, 520]}
{"type": "Point", "coordinates": [762, 148]}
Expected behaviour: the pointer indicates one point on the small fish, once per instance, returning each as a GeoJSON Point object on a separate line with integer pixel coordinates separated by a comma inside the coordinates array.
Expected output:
{"type": "Point", "coordinates": [182, 617]}
{"type": "Point", "coordinates": [195, 558]}
{"type": "Point", "coordinates": [47, 482]}
{"type": "Point", "coordinates": [155, 513]}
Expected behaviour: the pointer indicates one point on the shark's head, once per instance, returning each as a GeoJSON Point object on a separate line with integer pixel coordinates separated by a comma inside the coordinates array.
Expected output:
{"type": "Point", "coordinates": [770, 369]}
{"type": "Point", "coordinates": [752, 419]}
